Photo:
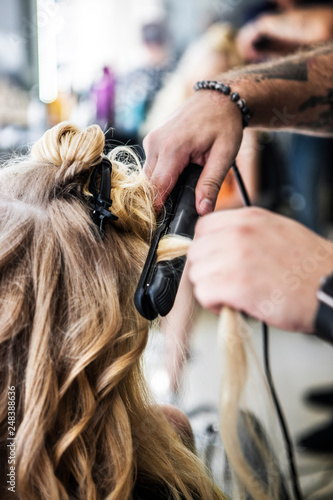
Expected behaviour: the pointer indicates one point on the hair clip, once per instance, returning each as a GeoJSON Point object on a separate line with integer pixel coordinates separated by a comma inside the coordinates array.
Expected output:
{"type": "Point", "coordinates": [100, 188]}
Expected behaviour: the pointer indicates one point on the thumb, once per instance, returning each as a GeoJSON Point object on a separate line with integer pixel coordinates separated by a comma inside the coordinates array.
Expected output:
{"type": "Point", "coordinates": [210, 181]}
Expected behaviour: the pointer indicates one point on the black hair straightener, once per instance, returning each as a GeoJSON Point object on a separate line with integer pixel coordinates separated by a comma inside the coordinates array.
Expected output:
{"type": "Point", "coordinates": [158, 284]}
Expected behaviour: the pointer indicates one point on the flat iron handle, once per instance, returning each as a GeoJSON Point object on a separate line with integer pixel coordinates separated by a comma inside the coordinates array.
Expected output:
{"type": "Point", "coordinates": [159, 283]}
{"type": "Point", "coordinates": [184, 216]}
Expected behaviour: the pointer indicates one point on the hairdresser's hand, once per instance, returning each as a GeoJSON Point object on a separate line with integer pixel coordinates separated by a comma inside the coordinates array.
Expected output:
{"type": "Point", "coordinates": [206, 130]}
{"type": "Point", "coordinates": [264, 264]}
{"type": "Point", "coordinates": [278, 34]}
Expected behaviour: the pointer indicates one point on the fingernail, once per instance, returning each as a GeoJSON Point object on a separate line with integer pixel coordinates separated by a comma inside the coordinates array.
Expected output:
{"type": "Point", "coordinates": [206, 206]}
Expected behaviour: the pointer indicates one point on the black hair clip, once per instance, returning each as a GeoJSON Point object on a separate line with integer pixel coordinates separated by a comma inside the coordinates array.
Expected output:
{"type": "Point", "coordinates": [100, 188]}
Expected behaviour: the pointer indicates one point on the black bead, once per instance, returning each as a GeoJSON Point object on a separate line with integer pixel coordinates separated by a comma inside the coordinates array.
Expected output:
{"type": "Point", "coordinates": [226, 89]}
{"type": "Point", "coordinates": [234, 97]}
{"type": "Point", "coordinates": [241, 104]}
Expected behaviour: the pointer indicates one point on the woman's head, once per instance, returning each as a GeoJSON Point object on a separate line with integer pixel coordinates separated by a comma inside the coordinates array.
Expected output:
{"type": "Point", "coordinates": [70, 337]}
{"type": "Point", "coordinates": [68, 324]}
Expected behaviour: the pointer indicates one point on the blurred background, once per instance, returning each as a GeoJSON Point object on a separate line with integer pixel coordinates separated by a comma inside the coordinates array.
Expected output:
{"type": "Point", "coordinates": [126, 65]}
{"type": "Point", "coordinates": [62, 52]}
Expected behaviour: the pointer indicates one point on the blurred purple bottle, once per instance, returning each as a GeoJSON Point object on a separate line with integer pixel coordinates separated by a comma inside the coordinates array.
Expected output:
{"type": "Point", "coordinates": [103, 93]}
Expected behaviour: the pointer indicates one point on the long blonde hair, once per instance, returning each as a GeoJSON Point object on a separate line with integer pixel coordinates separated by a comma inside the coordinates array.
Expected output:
{"type": "Point", "coordinates": [253, 463]}
{"type": "Point", "coordinates": [70, 337]}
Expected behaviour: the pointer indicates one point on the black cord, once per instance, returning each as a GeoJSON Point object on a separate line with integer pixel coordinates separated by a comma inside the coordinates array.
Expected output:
{"type": "Point", "coordinates": [241, 185]}
{"type": "Point", "coordinates": [282, 421]}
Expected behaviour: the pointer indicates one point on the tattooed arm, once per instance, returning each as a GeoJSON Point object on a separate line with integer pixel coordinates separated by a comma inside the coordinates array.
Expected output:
{"type": "Point", "coordinates": [293, 93]}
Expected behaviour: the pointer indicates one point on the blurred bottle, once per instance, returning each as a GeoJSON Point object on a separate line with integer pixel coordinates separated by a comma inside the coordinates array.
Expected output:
{"type": "Point", "coordinates": [103, 95]}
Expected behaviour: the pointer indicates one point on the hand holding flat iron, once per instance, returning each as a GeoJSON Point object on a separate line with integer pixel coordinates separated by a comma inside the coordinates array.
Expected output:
{"type": "Point", "coordinates": [206, 130]}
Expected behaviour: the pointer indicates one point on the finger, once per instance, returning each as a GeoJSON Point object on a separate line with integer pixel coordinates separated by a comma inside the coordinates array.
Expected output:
{"type": "Point", "coordinates": [241, 220]}
{"type": "Point", "coordinates": [202, 268]}
{"type": "Point", "coordinates": [210, 303]}
{"type": "Point", "coordinates": [210, 181]}
{"type": "Point", "coordinates": [216, 221]}
{"type": "Point", "coordinates": [216, 255]}
{"type": "Point", "coordinates": [150, 164]}
{"type": "Point", "coordinates": [220, 220]}
{"type": "Point", "coordinates": [151, 154]}
{"type": "Point", "coordinates": [208, 294]}
{"type": "Point", "coordinates": [228, 283]}
{"type": "Point", "coordinates": [278, 27]}
{"type": "Point", "coordinates": [270, 25]}
{"type": "Point", "coordinates": [165, 175]}
{"type": "Point", "coordinates": [208, 248]}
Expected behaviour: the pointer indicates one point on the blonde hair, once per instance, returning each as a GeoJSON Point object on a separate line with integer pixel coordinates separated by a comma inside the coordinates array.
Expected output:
{"type": "Point", "coordinates": [237, 352]}
{"type": "Point", "coordinates": [70, 337]}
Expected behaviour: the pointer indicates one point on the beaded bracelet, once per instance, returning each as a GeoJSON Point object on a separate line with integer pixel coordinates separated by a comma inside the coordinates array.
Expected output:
{"type": "Point", "coordinates": [226, 90]}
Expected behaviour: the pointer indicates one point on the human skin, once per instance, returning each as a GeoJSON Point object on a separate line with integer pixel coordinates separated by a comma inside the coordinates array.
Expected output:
{"type": "Point", "coordinates": [292, 93]}
{"type": "Point", "coordinates": [277, 34]}
{"type": "Point", "coordinates": [261, 263]}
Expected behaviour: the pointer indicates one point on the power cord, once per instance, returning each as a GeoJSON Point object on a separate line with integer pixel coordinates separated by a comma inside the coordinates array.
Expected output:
{"type": "Point", "coordinates": [277, 405]}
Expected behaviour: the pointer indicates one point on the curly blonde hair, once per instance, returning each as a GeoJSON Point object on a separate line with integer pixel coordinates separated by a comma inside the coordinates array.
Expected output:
{"type": "Point", "coordinates": [70, 337]}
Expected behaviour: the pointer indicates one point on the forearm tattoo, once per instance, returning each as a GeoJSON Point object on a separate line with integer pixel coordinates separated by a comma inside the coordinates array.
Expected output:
{"type": "Point", "coordinates": [289, 70]}
{"type": "Point", "coordinates": [317, 110]}
{"type": "Point", "coordinates": [324, 119]}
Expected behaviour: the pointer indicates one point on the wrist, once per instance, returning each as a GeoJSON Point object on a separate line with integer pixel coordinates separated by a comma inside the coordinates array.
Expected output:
{"type": "Point", "coordinates": [227, 91]}
{"type": "Point", "coordinates": [247, 88]}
